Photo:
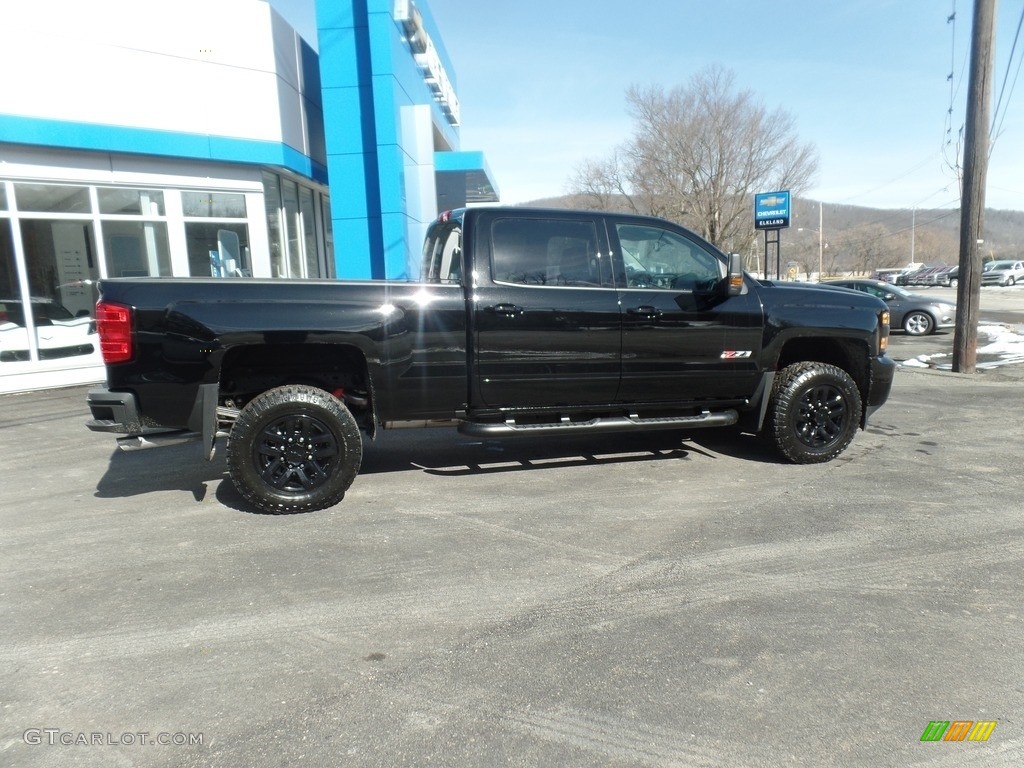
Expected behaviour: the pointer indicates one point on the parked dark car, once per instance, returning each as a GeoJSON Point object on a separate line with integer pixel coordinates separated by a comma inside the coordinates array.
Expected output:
{"type": "Point", "coordinates": [904, 278]}
{"type": "Point", "coordinates": [917, 315]}
{"type": "Point", "coordinates": [887, 274]}
{"type": "Point", "coordinates": [948, 278]}
{"type": "Point", "coordinates": [926, 277]}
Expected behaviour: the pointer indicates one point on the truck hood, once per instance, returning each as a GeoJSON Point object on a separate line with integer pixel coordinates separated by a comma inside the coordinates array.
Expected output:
{"type": "Point", "coordinates": [820, 295]}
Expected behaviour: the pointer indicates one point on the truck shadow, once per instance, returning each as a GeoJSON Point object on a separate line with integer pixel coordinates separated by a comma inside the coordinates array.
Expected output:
{"type": "Point", "coordinates": [438, 452]}
{"type": "Point", "coordinates": [172, 468]}
{"type": "Point", "coordinates": [446, 453]}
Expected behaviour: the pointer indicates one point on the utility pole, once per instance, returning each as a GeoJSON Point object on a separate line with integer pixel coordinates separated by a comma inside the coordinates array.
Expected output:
{"type": "Point", "coordinates": [972, 199]}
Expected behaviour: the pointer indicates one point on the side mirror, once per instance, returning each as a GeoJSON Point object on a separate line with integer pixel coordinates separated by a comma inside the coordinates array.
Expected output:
{"type": "Point", "coordinates": [734, 280]}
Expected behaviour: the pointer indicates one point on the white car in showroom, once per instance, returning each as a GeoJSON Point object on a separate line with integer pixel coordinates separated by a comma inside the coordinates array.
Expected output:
{"type": "Point", "coordinates": [60, 334]}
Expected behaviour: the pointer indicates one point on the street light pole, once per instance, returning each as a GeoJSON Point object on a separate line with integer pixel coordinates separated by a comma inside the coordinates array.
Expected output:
{"type": "Point", "coordinates": [821, 241]}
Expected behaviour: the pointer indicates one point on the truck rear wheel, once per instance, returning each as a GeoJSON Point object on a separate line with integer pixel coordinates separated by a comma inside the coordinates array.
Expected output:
{"type": "Point", "coordinates": [814, 412]}
{"type": "Point", "coordinates": [294, 449]}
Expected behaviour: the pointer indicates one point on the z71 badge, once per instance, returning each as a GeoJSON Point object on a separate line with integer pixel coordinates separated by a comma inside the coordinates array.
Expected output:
{"type": "Point", "coordinates": [731, 354]}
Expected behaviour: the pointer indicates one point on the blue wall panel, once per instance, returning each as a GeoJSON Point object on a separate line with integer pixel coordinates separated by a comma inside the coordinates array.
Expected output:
{"type": "Point", "coordinates": [343, 119]}
{"type": "Point", "coordinates": [338, 63]}
{"type": "Point", "coordinates": [396, 250]}
{"type": "Point", "coordinates": [143, 141]}
{"type": "Point", "coordinates": [346, 233]}
{"type": "Point", "coordinates": [369, 77]}
{"type": "Point", "coordinates": [333, 14]}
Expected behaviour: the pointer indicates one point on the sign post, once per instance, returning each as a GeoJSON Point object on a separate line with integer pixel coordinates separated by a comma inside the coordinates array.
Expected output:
{"type": "Point", "coordinates": [771, 213]}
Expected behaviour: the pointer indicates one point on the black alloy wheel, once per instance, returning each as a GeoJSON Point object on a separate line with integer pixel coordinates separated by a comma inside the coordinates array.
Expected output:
{"type": "Point", "coordinates": [814, 413]}
{"type": "Point", "coordinates": [294, 449]}
{"type": "Point", "coordinates": [295, 453]}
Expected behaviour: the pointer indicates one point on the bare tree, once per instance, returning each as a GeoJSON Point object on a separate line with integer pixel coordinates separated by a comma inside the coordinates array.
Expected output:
{"type": "Point", "coordinates": [697, 156]}
{"type": "Point", "coordinates": [597, 184]}
{"type": "Point", "coordinates": [867, 247]}
{"type": "Point", "coordinates": [804, 255]}
{"type": "Point", "coordinates": [933, 247]}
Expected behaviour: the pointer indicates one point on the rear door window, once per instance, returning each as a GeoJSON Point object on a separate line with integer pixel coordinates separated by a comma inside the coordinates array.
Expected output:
{"type": "Point", "coordinates": [562, 253]}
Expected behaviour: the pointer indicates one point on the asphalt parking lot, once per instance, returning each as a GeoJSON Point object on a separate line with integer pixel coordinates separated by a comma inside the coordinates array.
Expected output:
{"type": "Point", "coordinates": [1000, 307]}
{"type": "Point", "coordinates": [675, 599]}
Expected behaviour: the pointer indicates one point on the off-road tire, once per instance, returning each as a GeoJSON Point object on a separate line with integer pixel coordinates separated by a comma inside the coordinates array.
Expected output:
{"type": "Point", "coordinates": [814, 413]}
{"type": "Point", "coordinates": [292, 449]}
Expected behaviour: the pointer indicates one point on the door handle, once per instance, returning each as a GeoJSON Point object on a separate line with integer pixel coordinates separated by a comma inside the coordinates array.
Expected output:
{"type": "Point", "coordinates": [646, 311]}
{"type": "Point", "coordinates": [506, 310]}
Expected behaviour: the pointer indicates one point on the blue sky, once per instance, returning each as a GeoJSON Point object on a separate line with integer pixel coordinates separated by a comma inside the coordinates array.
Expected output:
{"type": "Point", "coordinates": [541, 84]}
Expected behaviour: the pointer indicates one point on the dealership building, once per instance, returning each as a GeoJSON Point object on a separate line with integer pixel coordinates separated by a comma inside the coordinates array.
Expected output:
{"type": "Point", "coordinates": [208, 139]}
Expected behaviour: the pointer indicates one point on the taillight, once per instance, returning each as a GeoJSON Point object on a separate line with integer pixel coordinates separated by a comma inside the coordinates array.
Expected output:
{"type": "Point", "coordinates": [114, 323]}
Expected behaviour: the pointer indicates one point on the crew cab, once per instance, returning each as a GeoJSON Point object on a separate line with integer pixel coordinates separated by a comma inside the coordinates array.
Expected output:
{"type": "Point", "coordinates": [525, 322]}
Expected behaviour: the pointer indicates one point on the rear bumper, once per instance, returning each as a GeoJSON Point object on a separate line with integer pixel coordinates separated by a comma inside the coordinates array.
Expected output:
{"type": "Point", "coordinates": [114, 412]}
{"type": "Point", "coordinates": [118, 413]}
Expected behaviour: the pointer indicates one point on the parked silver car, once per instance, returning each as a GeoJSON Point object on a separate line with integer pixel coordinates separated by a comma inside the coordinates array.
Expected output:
{"type": "Point", "coordinates": [917, 315]}
{"type": "Point", "coordinates": [1005, 272]}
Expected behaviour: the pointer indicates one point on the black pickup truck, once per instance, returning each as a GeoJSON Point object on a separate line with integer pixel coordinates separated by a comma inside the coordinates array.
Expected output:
{"type": "Point", "coordinates": [525, 322]}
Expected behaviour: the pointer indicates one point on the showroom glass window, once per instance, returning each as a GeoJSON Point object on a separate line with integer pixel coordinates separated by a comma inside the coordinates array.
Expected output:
{"type": "Point", "coordinates": [217, 234]}
{"type": "Point", "coordinates": [292, 211]}
{"type": "Point", "coordinates": [57, 234]}
{"type": "Point", "coordinates": [134, 227]}
{"type": "Point", "coordinates": [328, 254]}
{"type": "Point", "coordinates": [53, 225]}
{"type": "Point", "coordinates": [12, 312]}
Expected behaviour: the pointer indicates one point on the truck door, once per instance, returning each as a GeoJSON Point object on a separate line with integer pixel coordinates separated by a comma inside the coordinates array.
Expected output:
{"type": "Point", "coordinates": [682, 340]}
{"type": "Point", "coordinates": [546, 314]}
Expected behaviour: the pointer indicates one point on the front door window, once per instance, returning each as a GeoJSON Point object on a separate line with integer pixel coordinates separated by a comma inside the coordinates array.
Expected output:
{"type": "Point", "coordinates": [683, 339]}
{"type": "Point", "coordinates": [659, 258]}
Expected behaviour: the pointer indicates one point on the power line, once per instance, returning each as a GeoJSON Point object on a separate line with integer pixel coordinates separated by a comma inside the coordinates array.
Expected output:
{"type": "Point", "coordinates": [887, 219]}
{"type": "Point", "coordinates": [954, 88]}
{"type": "Point", "coordinates": [900, 231]}
{"type": "Point", "coordinates": [994, 134]}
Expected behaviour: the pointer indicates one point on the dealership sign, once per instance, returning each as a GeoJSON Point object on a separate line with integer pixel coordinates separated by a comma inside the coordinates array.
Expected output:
{"type": "Point", "coordinates": [427, 58]}
{"type": "Point", "coordinates": [771, 210]}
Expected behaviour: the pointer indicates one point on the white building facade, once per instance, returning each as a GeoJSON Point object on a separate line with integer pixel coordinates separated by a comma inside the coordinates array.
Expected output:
{"type": "Point", "coordinates": [185, 139]}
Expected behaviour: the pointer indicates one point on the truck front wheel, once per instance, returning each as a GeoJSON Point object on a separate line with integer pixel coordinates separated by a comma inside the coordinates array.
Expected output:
{"type": "Point", "coordinates": [294, 449]}
{"type": "Point", "coordinates": [814, 412]}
